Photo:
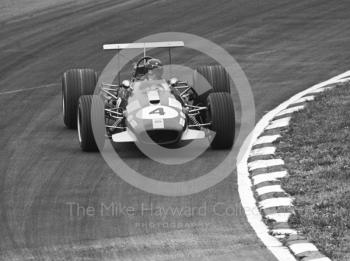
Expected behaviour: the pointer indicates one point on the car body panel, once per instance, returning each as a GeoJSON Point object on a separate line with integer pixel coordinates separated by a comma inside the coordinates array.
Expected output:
{"type": "Point", "coordinates": [154, 114]}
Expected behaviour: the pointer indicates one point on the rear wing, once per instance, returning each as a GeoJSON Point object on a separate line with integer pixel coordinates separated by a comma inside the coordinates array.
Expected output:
{"type": "Point", "coordinates": [143, 45]}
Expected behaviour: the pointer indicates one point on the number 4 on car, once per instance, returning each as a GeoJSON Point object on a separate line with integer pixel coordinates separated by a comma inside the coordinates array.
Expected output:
{"type": "Point", "coordinates": [159, 111]}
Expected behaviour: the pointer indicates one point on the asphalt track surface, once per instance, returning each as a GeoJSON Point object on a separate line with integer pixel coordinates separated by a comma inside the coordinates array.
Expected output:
{"type": "Point", "coordinates": [283, 47]}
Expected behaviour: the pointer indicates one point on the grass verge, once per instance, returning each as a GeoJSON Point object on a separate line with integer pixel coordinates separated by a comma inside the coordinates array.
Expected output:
{"type": "Point", "coordinates": [316, 150]}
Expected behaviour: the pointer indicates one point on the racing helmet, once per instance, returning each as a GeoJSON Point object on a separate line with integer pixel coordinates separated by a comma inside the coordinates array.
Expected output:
{"type": "Point", "coordinates": [154, 68]}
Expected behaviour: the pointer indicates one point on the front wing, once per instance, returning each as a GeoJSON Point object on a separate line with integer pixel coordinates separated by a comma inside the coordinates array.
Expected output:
{"type": "Point", "coordinates": [128, 136]}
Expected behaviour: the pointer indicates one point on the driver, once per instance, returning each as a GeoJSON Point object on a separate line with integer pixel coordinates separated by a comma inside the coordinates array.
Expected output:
{"type": "Point", "coordinates": [154, 69]}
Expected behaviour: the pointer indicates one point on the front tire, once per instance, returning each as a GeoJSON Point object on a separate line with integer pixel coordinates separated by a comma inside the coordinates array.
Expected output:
{"type": "Point", "coordinates": [86, 118]}
{"type": "Point", "coordinates": [75, 82]}
{"type": "Point", "coordinates": [222, 116]}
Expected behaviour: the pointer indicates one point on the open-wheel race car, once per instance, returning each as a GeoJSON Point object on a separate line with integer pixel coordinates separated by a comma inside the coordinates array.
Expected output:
{"type": "Point", "coordinates": [148, 108]}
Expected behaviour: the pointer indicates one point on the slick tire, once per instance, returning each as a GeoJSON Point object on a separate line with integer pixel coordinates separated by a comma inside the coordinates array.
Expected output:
{"type": "Point", "coordinates": [216, 76]}
{"type": "Point", "coordinates": [75, 82]}
{"type": "Point", "coordinates": [221, 114]}
{"type": "Point", "coordinates": [90, 123]}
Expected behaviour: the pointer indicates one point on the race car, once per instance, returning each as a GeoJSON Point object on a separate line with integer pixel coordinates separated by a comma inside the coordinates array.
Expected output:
{"type": "Point", "coordinates": [150, 109]}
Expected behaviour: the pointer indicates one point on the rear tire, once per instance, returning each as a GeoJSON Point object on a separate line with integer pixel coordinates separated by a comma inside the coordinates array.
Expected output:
{"type": "Point", "coordinates": [216, 76]}
{"type": "Point", "coordinates": [90, 141]}
{"type": "Point", "coordinates": [75, 82]}
{"type": "Point", "coordinates": [222, 116]}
